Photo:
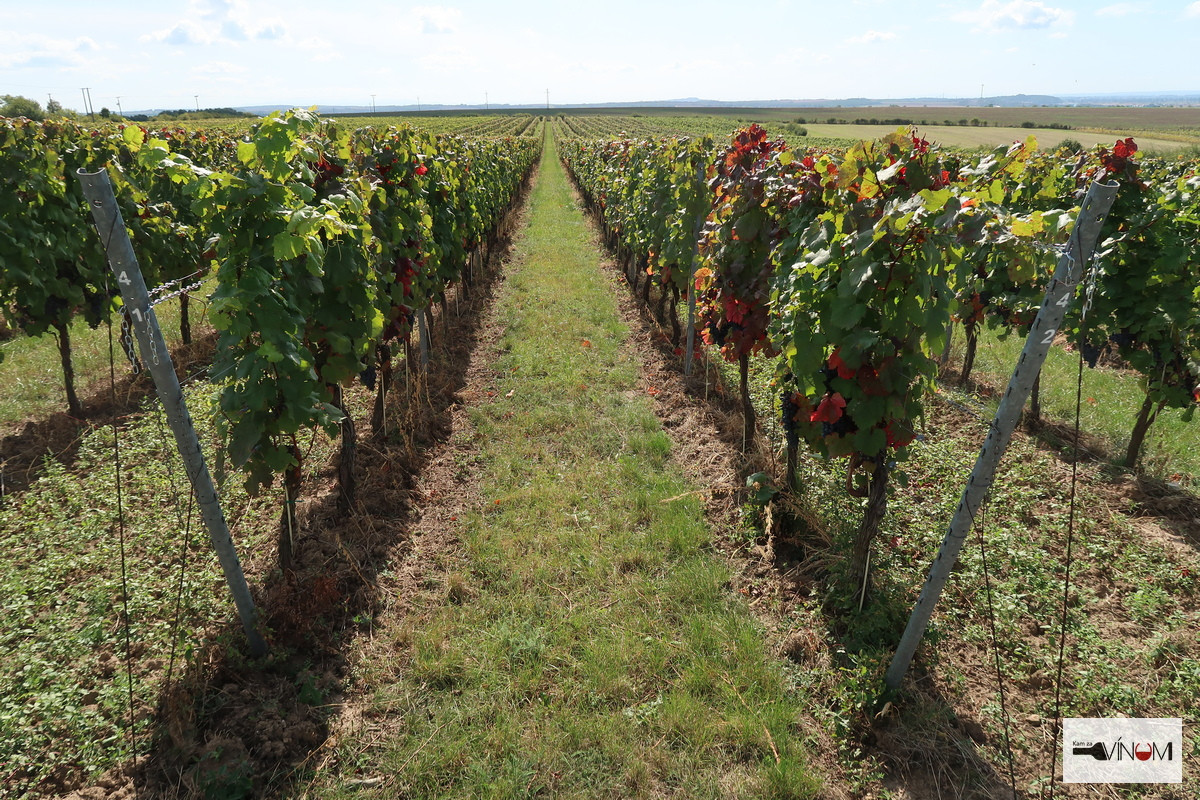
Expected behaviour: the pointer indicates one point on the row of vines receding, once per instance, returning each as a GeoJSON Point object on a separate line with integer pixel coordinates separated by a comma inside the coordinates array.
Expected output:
{"type": "Point", "coordinates": [852, 267]}
{"type": "Point", "coordinates": [322, 244]}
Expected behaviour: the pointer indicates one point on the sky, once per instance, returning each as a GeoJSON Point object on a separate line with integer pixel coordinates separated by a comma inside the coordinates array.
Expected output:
{"type": "Point", "coordinates": [134, 55]}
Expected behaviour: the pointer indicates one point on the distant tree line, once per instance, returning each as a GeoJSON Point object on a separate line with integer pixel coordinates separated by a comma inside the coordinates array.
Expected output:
{"type": "Point", "coordinates": [186, 114]}
{"type": "Point", "coordinates": [12, 105]}
{"type": "Point", "coordinates": [965, 123]}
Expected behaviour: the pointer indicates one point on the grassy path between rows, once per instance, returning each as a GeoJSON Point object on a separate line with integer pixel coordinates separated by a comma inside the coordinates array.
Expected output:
{"type": "Point", "coordinates": [584, 641]}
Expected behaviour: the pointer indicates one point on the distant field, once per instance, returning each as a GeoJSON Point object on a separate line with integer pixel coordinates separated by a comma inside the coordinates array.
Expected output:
{"type": "Point", "coordinates": [1108, 118]}
{"type": "Point", "coordinates": [1157, 130]}
{"type": "Point", "coordinates": [1173, 120]}
{"type": "Point", "coordinates": [954, 136]}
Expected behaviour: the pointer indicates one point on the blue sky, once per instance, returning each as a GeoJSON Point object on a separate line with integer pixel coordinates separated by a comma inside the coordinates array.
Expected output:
{"type": "Point", "coordinates": [303, 52]}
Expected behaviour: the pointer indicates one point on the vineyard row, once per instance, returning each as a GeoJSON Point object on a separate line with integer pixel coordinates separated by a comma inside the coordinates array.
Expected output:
{"type": "Point", "coordinates": [327, 244]}
{"type": "Point", "coordinates": [850, 266]}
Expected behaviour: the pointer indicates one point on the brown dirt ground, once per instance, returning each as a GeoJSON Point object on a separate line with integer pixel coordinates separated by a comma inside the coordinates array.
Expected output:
{"type": "Point", "coordinates": [23, 448]}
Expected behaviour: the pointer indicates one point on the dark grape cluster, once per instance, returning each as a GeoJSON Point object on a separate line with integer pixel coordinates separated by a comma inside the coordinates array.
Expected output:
{"type": "Point", "coordinates": [1122, 339]}
{"type": "Point", "coordinates": [844, 426]}
{"type": "Point", "coordinates": [789, 410]}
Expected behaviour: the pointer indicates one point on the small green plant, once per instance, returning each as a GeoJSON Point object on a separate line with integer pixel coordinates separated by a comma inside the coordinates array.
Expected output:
{"type": "Point", "coordinates": [307, 690]}
{"type": "Point", "coordinates": [761, 487]}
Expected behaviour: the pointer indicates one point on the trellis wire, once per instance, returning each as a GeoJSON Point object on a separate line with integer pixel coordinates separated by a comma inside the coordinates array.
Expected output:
{"type": "Point", "coordinates": [166, 291]}
{"type": "Point", "coordinates": [1064, 618]}
{"type": "Point", "coordinates": [987, 582]}
{"type": "Point", "coordinates": [184, 551]}
{"type": "Point", "coordinates": [1092, 213]}
{"type": "Point", "coordinates": [125, 618]}
{"type": "Point", "coordinates": [123, 263]}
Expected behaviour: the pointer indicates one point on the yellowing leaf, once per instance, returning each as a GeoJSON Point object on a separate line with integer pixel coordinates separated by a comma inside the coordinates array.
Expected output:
{"type": "Point", "coordinates": [133, 135]}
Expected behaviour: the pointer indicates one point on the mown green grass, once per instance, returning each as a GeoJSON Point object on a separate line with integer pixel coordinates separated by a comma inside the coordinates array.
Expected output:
{"type": "Point", "coordinates": [1111, 400]}
{"type": "Point", "coordinates": [593, 648]}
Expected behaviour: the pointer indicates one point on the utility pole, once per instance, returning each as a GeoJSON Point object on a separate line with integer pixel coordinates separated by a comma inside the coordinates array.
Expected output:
{"type": "Point", "coordinates": [372, 104]}
{"type": "Point", "coordinates": [87, 102]}
{"type": "Point", "coordinates": [486, 106]}
{"type": "Point", "coordinates": [119, 111]}
{"type": "Point", "coordinates": [547, 99]}
{"type": "Point", "coordinates": [197, 102]}
{"type": "Point", "coordinates": [418, 103]}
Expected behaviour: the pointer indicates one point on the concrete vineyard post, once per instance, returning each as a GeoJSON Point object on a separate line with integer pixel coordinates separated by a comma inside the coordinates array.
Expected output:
{"type": "Point", "coordinates": [157, 359]}
{"type": "Point", "coordinates": [1078, 252]}
{"type": "Point", "coordinates": [423, 327]}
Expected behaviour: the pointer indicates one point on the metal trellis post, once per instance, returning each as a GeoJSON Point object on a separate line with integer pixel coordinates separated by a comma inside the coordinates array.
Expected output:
{"type": "Point", "coordinates": [98, 190]}
{"type": "Point", "coordinates": [1078, 252]}
{"type": "Point", "coordinates": [697, 226]}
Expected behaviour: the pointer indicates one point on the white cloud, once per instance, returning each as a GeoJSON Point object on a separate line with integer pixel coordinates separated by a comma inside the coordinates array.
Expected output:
{"type": "Point", "coordinates": [238, 31]}
{"type": "Point", "coordinates": [217, 69]}
{"type": "Point", "coordinates": [213, 21]}
{"type": "Point", "coordinates": [37, 51]}
{"type": "Point", "coordinates": [1118, 10]}
{"type": "Point", "coordinates": [234, 30]}
{"type": "Point", "coordinates": [214, 9]}
{"type": "Point", "coordinates": [186, 32]}
{"type": "Point", "coordinates": [1193, 10]}
{"type": "Point", "coordinates": [872, 36]}
{"type": "Point", "coordinates": [320, 51]}
{"type": "Point", "coordinates": [1015, 15]}
{"type": "Point", "coordinates": [451, 58]}
{"type": "Point", "coordinates": [437, 19]}
{"type": "Point", "coordinates": [271, 30]}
